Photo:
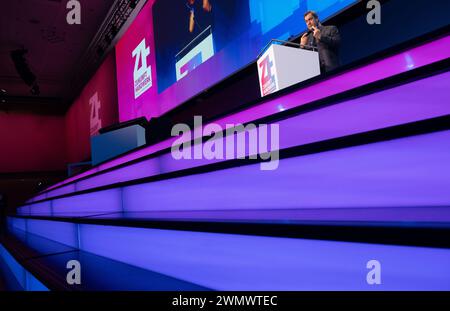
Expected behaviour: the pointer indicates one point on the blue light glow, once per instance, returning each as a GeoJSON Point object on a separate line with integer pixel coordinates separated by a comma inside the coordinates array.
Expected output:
{"type": "Point", "coordinates": [243, 262]}
{"type": "Point", "coordinates": [88, 204]}
{"type": "Point", "coordinates": [62, 232]}
{"type": "Point", "coordinates": [26, 280]}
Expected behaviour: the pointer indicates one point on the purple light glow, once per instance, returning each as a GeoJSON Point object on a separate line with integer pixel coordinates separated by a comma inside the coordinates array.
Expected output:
{"type": "Point", "coordinates": [43, 208]}
{"type": "Point", "coordinates": [419, 56]}
{"type": "Point", "coordinates": [130, 172]}
{"type": "Point", "coordinates": [138, 154]}
{"type": "Point", "coordinates": [386, 214]}
{"type": "Point", "coordinates": [73, 178]}
{"type": "Point", "coordinates": [62, 232]}
{"type": "Point", "coordinates": [89, 204]}
{"type": "Point", "coordinates": [63, 190]}
{"type": "Point", "coordinates": [423, 99]}
{"type": "Point", "coordinates": [40, 197]}
{"type": "Point", "coordinates": [228, 261]}
{"type": "Point", "coordinates": [407, 172]}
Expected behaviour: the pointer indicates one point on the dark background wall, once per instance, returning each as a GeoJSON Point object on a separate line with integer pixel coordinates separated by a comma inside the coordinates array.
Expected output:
{"type": "Point", "coordinates": [36, 144]}
{"type": "Point", "coordinates": [401, 20]}
{"type": "Point", "coordinates": [32, 153]}
{"type": "Point", "coordinates": [31, 142]}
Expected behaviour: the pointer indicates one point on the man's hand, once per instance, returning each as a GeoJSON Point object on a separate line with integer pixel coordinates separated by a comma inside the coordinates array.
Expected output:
{"type": "Point", "coordinates": [316, 33]}
{"type": "Point", "coordinates": [304, 39]}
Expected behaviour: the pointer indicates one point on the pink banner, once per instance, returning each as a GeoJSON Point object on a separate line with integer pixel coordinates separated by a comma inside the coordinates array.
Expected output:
{"type": "Point", "coordinates": [136, 69]}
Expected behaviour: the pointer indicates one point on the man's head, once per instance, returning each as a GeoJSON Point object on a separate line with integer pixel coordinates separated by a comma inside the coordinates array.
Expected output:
{"type": "Point", "coordinates": [311, 19]}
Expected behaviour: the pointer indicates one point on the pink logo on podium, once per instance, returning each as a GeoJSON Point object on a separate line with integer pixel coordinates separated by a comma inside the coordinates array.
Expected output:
{"type": "Point", "coordinates": [268, 80]}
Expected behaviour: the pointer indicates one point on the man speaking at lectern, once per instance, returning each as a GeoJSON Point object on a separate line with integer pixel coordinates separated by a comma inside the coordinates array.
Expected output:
{"type": "Point", "coordinates": [325, 38]}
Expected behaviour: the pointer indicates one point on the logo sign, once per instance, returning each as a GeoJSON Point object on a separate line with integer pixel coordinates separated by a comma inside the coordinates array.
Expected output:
{"type": "Point", "coordinates": [95, 120]}
{"type": "Point", "coordinates": [142, 73]}
{"type": "Point", "coordinates": [267, 77]}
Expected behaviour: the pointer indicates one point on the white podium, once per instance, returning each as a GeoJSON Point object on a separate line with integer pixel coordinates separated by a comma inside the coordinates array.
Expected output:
{"type": "Point", "coordinates": [282, 66]}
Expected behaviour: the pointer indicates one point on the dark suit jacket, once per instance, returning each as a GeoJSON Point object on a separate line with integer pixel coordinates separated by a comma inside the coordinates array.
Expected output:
{"type": "Point", "coordinates": [328, 47]}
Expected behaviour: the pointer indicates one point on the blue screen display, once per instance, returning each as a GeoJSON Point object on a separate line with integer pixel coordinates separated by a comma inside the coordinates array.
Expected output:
{"type": "Point", "coordinates": [226, 34]}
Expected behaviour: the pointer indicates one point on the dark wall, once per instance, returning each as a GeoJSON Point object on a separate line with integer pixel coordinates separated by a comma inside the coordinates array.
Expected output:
{"type": "Point", "coordinates": [401, 20]}
{"type": "Point", "coordinates": [16, 188]}
{"type": "Point", "coordinates": [31, 142]}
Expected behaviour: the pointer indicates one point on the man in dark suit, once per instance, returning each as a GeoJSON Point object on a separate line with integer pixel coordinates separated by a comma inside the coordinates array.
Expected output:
{"type": "Point", "coordinates": [325, 38]}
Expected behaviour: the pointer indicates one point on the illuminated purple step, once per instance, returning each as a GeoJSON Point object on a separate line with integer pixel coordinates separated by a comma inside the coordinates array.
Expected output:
{"type": "Point", "coordinates": [402, 173]}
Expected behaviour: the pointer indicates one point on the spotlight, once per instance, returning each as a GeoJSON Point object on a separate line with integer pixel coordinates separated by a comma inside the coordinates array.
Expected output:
{"type": "Point", "coordinates": [133, 3]}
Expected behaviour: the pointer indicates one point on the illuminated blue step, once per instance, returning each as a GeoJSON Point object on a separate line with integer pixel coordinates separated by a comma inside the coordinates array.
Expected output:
{"type": "Point", "coordinates": [48, 260]}
{"type": "Point", "coordinates": [232, 261]}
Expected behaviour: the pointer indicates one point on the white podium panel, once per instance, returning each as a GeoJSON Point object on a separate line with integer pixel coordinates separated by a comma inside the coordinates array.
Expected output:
{"type": "Point", "coordinates": [282, 66]}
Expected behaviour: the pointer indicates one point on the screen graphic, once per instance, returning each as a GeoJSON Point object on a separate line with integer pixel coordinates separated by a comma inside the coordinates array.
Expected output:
{"type": "Point", "coordinates": [191, 45]}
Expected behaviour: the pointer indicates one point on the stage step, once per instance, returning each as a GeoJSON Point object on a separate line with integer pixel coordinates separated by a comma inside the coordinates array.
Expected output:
{"type": "Point", "coordinates": [187, 255]}
{"type": "Point", "coordinates": [48, 260]}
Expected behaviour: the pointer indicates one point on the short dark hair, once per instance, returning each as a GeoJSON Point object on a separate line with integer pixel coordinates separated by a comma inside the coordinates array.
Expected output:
{"type": "Point", "coordinates": [313, 13]}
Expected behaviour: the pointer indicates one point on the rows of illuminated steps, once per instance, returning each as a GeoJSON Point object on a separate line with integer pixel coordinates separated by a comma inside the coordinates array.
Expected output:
{"type": "Point", "coordinates": [119, 257]}
{"type": "Point", "coordinates": [405, 171]}
{"type": "Point", "coordinates": [380, 158]}
{"type": "Point", "coordinates": [313, 122]}
{"type": "Point", "coordinates": [402, 179]}
{"type": "Point", "coordinates": [398, 182]}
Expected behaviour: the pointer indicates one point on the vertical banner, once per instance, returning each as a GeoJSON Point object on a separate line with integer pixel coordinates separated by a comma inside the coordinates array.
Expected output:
{"type": "Point", "coordinates": [136, 68]}
{"type": "Point", "coordinates": [95, 108]}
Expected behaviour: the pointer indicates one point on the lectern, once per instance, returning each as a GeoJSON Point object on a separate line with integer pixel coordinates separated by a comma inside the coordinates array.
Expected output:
{"type": "Point", "coordinates": [280, 66]}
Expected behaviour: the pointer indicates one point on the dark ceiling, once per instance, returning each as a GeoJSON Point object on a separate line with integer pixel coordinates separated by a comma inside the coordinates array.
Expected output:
{"type": "Point", "coordinates": [56, 50]}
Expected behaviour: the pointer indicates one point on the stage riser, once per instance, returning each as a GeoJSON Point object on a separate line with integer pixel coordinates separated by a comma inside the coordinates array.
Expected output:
{"type": "Point", "coordinates": [396, 175]}
{"type": "Point", "coordinates": [245, 262]}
